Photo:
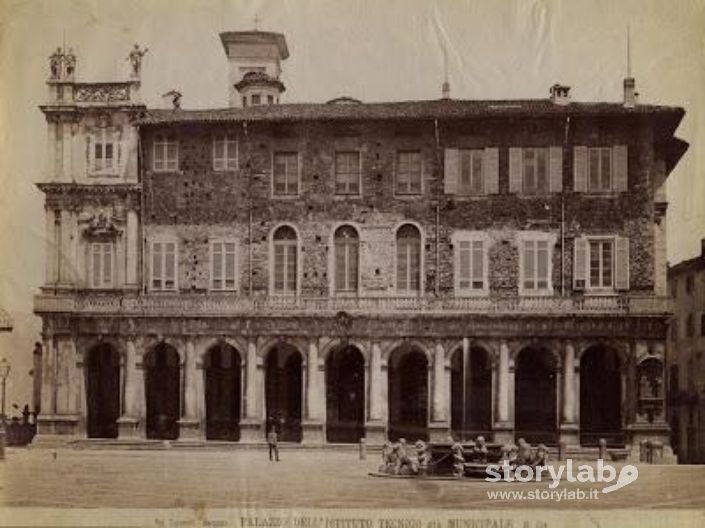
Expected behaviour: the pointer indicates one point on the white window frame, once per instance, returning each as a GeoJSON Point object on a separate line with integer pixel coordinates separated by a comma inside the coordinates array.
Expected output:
{"type": "Point", "coordinates": [612, 240]}
{"type": "Point", "coordinates": [472, 154]}
{"type": "Point", "coordinates": [397, 156]}
{"type": "Point", "coordinates": [422, 259]}
{"type": "Point", "coordinates": [230, 158]}
{"type": "Point", "coordinates": [224, 255]}
{"type": "Point", "coordinates": [533, 237]}
{"type": "Point", "coordinates": [104, 250]}
{"type": "Point", "coordinates": [272, 263]}
{"type": "Point", "coordinates": [547, 176]}
{"type": "Point", "coordinates": [610, 155]}
{"type": "Point", "coordinates": [332, 262]}
{"type": "Point", "coordinates": [359, 173]}
{"type": "Point", "coordinates": [276, 194]}
{"type": "Point", "coordinates": [163, 278]}
{"type": "Point", "coordinates": [105, 136]}
{"type": "Point", "coordinates": [162, 142]}
{"type": "Point", "coordinates": [458, 239]}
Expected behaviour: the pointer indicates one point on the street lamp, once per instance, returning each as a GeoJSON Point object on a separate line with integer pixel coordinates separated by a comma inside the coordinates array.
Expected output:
{"type": "Point", "coordinates": [4, 373]}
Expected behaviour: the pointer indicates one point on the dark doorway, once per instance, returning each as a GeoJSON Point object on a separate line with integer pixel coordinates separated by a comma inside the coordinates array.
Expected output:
{"type": "Point", "coordinates": [408, 395]}
{"type": "Point", "coordinates": [535, 396]}
{"type": "Point", "coordinates": [102, 370]}
{"type": "Point", "coordinates": [345, 395]}
{"type": "Point", "coordinates": [600, 397]}
{"type": "Point", "coordinates": [471, 394]}
{"type": "Point", "coordinates": [283, 386]}
{"type": "Point", "coordinates": [162, 392]}
{"type": "Point", "coordinates": [223, 388]}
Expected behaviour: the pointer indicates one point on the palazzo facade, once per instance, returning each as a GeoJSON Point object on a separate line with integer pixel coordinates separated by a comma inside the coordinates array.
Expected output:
{"type": "Point", "coordinates": [349, 270]}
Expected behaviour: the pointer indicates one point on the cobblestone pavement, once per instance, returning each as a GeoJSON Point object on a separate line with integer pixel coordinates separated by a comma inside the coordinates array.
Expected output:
{"type": "Point", "coordinates": [70, 478]}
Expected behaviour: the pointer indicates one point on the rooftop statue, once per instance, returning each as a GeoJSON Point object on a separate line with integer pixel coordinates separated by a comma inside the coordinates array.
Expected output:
{"type": "Point", "coordinates": [135, 58]}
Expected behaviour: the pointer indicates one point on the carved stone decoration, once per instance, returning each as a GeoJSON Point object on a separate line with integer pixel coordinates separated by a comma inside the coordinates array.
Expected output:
{"type": "Point", "coordinates": [100, 224]}
{"type": "Point", "coordinates": [102, 93]}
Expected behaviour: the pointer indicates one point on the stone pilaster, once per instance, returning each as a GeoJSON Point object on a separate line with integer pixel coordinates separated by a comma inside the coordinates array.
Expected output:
{"type": "Point", "coordinates": [569, 429]}
{"type": "Point", "coordinates": [251, 424]}
{"type": "Point", "coordinates": [190, 423]}
{"type": "Point", "coordinates": [503, 427]}
{"type": "Point", "coordinates": [439, 426]}
{"type": "Point", "coordinates": [313, 430]}
{"type": "Point", "coordinates": [131, 421]}
{"type": "Point", "coordinates": [375, 428]}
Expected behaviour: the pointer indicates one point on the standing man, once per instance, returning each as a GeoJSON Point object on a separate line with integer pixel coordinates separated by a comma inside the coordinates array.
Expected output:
{"type": "Point", "coordinates": [272, 440]}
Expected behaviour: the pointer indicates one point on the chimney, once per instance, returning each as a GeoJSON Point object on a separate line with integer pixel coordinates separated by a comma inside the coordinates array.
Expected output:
{"type": "Point", "coordinates": [630, 95]}
{"type": "Point", "coordinates": [446, 90]}
{"type": "Point", "coordinates": [560, 94]}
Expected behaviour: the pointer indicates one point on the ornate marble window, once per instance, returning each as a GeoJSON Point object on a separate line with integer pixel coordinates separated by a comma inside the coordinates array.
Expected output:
{"type": "Point", "coordinates": [102, 264]}
{"type": "Point", "coordinates": [601, 264]}
{"type": "Point", "coordinates": [104, 151]}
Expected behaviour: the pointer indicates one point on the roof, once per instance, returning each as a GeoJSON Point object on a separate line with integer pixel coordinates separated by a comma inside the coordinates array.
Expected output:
{"type": "Point", "coordinates": [686, 266]}
{"type": "Point", "coordinates": [258, 79]}
{"type": "Point", "coordinates": [430, 109]}
{"type": "Point", "coordinates": [5, 321]}
{"type": "Point", "coordinates": [255, 37]}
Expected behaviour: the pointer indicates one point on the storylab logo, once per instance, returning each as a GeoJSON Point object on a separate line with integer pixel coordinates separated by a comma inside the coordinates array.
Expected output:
{"type": "Point", "coordinates": [585, 473]}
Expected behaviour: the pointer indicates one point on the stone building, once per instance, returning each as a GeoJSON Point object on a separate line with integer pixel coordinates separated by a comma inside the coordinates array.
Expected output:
{"type": "Point", "coordinates": [350, 269]}
{"type": "Point", "coordinates": [686, 365]}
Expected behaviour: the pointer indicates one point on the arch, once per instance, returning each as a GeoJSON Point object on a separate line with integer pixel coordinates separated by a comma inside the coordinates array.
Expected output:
{"type": "Point", "coordinates": [284, 391]}
{"type": "Point", "coordinates": [154, 341]}
{"type": "Point", "coordinates": [285, 260]}
{"type": "Point", "coordinates": [536, 395]}
{"type": "Point", "coordinates": [471, 393]}
{"type": "Point", "coordinates": [390, 348]}
{"type": "Point", "coordinates": [409, 259]}
{"type": "Point", "coordinates": [102, 378]}
{"type": "Point", "coordinates": [408, 393]}
{"type": "Point", "coordinates": [162, 391]}
{"type": "Point", "coordinates": [345, 395]}
{"type": "Point", "coordinates": [601, 390]}
{"type": "Point", "coordinates": [344, 270]}
{"type": "Point", "coordinates": [222, 365]}
{"type": "Point", "coordinates": [335, 343]}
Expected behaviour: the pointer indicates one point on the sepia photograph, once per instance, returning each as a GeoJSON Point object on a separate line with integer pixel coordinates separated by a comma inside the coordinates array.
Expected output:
{"type": "Point", "coordinates": [352, 263]}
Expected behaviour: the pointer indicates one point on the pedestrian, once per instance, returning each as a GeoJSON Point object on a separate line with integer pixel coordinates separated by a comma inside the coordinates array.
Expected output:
{"type": "Point", "coordinates": [272, 440]}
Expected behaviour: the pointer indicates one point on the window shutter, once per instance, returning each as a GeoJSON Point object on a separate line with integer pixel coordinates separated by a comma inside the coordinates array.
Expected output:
{"type": "Point", "coordinates": [555, 155]}
{"type": "Point", "coordinates": [619, 159]}
{"type": "Point", "coordinates": [580, 264]}
{"type": "Point", "coordinates": [89, 152]}
{"type": "Point", "coordinates": [490, 167]}
{"type": "Point", "coordinates": [580, 159]}
{"type": "Point", "coordinates": [515, 170]}
{"type": "Point", "coordinates": [452, 170]}
{"type": "Point", "coordinates": [621, 264]}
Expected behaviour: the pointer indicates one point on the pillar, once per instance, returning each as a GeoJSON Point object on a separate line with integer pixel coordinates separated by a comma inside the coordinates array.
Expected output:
{"type": "Point", "coordinates": [251, 424]}
{"type": "Point", "coordinates": [132, 416]}
{"type": "Point", "coordinates": [131, 247]}
{"type": "Point", "coordinates": [569, 429]}
{"type": "Point", "coordinates": [375, 426]}
{"type": "Point", "coordinates": [504, 428]}
{"type": "Point", "coordinates": [439, 426]}
{"type": "Point", "coordinates": [315, 397]}
{"type": "Point", "coordinates": [66, 273]}
{"type": "Point", "coordinates": [50, 246]}
{"type": "Point", "coordinates": [189, 423]}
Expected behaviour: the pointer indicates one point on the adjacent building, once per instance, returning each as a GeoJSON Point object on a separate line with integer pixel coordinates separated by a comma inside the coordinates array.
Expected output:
{"type": "Point", "coordinates": [345, 269]}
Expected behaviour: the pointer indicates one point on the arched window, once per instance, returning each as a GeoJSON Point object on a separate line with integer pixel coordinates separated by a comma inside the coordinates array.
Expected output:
{"type": "Point", "coordinates": [408, 259]}
{"type": "Point", "coordinates": [285, 260]}
{"type": "Point", "coordinates": [347, 254]}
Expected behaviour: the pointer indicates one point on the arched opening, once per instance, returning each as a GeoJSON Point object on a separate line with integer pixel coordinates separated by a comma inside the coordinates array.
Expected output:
{"type": "Point", "coordinates": [162, 390]}
{"type": "Point", "coordinates": [223, 389]}
{"type": "Point", "coordinates": [408, 394]}
{"type": "Point", "coordinates": [283, 392]}
{"type": "Point", "coordinates": [535, 396]}
{"type": "Point", "coordinates": [102, 371]}
{"type": "Point", "coordinates": [600, 397]}
{"type": "Point", "coordinates": [285, 268]}
{"type": "Point", "coordinates": [345, 395]}
{"type": "Point", "coordinates": [347, 250]}
{"type": "Point", "coordinates": [471, 393]}
{"type": "Point", "coordinates": [408, 259]}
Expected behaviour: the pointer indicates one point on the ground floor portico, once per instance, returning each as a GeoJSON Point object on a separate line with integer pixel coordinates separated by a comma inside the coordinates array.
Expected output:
{"type": "Point", "coordinates": [339, 379]}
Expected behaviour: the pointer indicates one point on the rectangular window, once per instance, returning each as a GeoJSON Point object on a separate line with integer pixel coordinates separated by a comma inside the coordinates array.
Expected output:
{"type": "Point", "coordinates": [347, 173]}
{"type": "Point", "coordinates": [470, 181]}
{"type": "Point", "coordinates": [408, 177]}
{"type": "Point", "coordinates": [101, 265]}
{"type": "Point", "coordinates": [285, 268]}
{"type": "Point", "coordinates": [600, 169]}
{"type": "Point", "coordinates": [535, 171]}
{"type": "Point", "coordinates": [104, 152]}
{"type": "Point", "coordinates": [223, 265]}
{"type": "Point", "coordinates": [536, 266]}
{"type": "Point", "coordinates": [286, 173]}
{"type": "Point", "coordinates": [164, 266]}
{"type": "Point", "coordinates": [601, 264]}
{"type": "Point", "coordinates": [256, 99]}
{"type": "Point", "coordinates": [166, 153]}
{"type": "Point", "coordinates": [471, 266]}
{"type": "Point", "coordinates": [689, 284]}
{"type": "Point", "coordinates": [270, 99]}
{"type": "Point", "coordinates": [224, 152]}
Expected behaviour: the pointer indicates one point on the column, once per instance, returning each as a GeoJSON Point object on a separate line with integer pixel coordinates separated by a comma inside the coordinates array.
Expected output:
{"type": "Point", "coordinates": [569, 431]}
{"type": "Point", "coordinates": [66, 249]}
{"type": "Point", "coordinates": [50, 246]}
{"type": "Point", "coordinates": [504, 429]}
{"type": "Point", "coordinates": [439, 426]}
{"type": "Point", "coordinates": [189, 424]}
{"type": "Point", "coordinates": [313, 426]}
{"type": "Point", "coordinates": [377, 416]}
{"type": "Point", "coordinates": [133, 398]}
{"type": "Point", "coordinates": [252, 423]}
{"type": "Point", "coordinates": [131, 248]}
{"type": "Point", "coordinates": [45, 420]}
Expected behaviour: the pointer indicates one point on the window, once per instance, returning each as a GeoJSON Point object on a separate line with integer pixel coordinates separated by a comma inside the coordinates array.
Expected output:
{"type": "Point", "coordinates": [702, 325]}
{"type": "Point", "coordinates": [408, 177]}
{"type": "Point", "coordinates": [689, 284]}
{"type": "Point", "coordinates": [470, 266]}
{"type": "Point", "coordinates": [471, 176]}
{"type": "Point", "coordinates": [408, 259]}
{"type": "Point", "coordinates": [347, 173]}
{"type": "Point", "coordinates": [166, 153]}
{"type": "Point", "coordinates": [104, 152]}
{"type": "Point", "coordinates": [101, 264]}
{"type": "Point", "coordinates": [600, 169]}
{"type": "Point", "coordinates": [224, 152]}
{"type": "Point", "coordinates": [256, 99]}
{"type": "Point", "coordinates": [689, 326]}
{"type": "Point", "coordinates": [223, 265]}
{"type": "Point", "coordinates": [534, 170]}
{"type": "Point", "coordinates": [535, 261]}
{"type": "Point", "coordinates": [286, 173]}
{"type": "Point", "coordinates": [270, 99]}
{"type": "Point", "coordinates": [285, 278]}
{"type": "Point", "coordinates": [163, 266]}
{"type": "Point", "coordinates": [601, 263]}
{"type": "Point", "coordinates": [347, 254]}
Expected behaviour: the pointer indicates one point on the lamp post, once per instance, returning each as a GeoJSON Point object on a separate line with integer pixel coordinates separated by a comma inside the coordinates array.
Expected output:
{"type": "Point", "coordinates": [4, 373]}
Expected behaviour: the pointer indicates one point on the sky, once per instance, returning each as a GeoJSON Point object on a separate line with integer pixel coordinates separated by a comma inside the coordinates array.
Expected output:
{"type": "Point", "coordinates": [379, 50]}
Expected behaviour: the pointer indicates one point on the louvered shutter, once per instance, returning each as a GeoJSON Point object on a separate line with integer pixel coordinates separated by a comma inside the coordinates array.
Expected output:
{"type": "Point", "coordinates": [515, 170]}
{"type": "Point", "coordinates": [580, 161]}
{"type": "Point", "coordinates": [621, 264]}
{"type": "Point", "coordinates": [580, 264]}
{"type": "Point", "coordinates": [621, 170]}
{"type": "Point", "coordinates": [555, 155]}
{"type": "Point", "coordinates": [452, 171]}
{"type": "Point", "coordinates": [490, 168]}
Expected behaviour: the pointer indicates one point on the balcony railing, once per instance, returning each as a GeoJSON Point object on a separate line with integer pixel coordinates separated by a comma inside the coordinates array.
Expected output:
{"type": "Point", "coordinates": [224, 304]}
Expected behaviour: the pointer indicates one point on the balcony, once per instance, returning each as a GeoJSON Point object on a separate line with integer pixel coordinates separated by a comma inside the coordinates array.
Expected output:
{"type": "Point", "coordinates": [214, 305]}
